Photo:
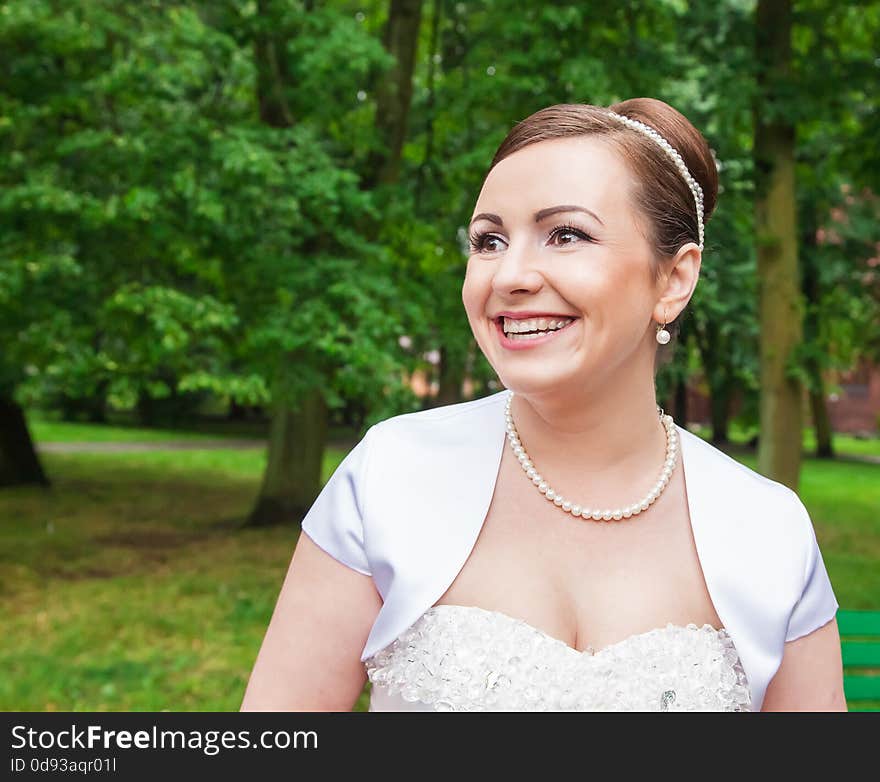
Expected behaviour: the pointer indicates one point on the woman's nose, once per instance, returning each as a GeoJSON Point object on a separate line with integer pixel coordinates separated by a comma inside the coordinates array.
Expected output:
{"type": "Point", "coordinates": [517, 270]}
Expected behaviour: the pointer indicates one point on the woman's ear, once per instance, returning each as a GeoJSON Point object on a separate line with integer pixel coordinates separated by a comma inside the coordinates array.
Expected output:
{"type": "Point", "coordinates": [677, 286]}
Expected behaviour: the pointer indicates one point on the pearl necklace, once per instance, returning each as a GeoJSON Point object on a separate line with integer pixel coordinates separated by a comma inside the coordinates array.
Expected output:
{"type": "Point", "coordinates": [580, 511]}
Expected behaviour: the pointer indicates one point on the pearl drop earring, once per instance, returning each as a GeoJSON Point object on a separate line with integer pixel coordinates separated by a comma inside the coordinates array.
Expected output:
{"type": "Point", "coordinates": [663, 335]}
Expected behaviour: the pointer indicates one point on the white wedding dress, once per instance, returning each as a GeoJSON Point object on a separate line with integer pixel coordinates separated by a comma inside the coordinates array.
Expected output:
{"type": "Point", "coordinates": [445, 462]}
{"type": "Point", "coordinates": [466, 658]}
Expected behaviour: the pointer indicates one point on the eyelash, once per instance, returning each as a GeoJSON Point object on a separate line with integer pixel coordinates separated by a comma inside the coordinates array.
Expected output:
{"type": "Point", "coordinates": [477, 238]}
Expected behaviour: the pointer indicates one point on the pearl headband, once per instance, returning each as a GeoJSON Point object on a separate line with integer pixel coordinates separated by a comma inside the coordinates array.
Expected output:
{"type": "Point", "coordinates": [673, 155]}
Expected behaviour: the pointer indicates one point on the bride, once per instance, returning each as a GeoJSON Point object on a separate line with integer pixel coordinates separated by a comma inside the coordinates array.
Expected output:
{"type": "Point", "coordinates": [562, 544]}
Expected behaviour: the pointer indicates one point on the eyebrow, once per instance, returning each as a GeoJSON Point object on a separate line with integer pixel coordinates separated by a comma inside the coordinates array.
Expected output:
{"type": "Point", "coordinates": [543, 214]}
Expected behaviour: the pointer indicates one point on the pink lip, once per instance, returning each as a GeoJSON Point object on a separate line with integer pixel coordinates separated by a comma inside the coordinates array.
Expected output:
{"type": "Point", "coordinates": [529, 314]}
{"type": "Point", "coordinates": [525, 344]}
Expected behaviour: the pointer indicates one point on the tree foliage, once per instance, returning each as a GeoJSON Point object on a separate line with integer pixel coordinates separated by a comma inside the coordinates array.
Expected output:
{"type": "Point", "coordinates": [191, 201]}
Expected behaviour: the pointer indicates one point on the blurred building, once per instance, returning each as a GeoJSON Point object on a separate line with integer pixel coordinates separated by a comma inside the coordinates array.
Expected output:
{"type": "Point", "coordinates": [856, 407]}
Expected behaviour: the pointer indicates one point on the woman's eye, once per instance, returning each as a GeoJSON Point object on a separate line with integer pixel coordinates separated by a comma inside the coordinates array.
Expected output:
{"type": "Point", "coordinates": [560, 236]}
{"type": "Point", "coordinates": [568, 235]}
{"type": "Point", "coordinates": [486, 243]}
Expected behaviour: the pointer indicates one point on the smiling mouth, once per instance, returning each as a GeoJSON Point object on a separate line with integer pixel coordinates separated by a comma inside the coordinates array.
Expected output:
{"type": "Point", "coordinates": [524, 338]}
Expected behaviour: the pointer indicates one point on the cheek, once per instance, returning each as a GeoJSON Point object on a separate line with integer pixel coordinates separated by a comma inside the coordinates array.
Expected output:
{"type": "Point", "coordinates": [586, 287]}
{"type": "Point", "coordinates": [474, 293]}
{"type": "Point", "coordinates": [617, 274]}
{"type": "Point", "coordinates": [611, 296]}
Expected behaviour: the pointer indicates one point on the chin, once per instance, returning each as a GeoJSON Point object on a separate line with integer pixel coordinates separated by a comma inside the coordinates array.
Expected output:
{"type": "Point", "coordinates": [539, 384]}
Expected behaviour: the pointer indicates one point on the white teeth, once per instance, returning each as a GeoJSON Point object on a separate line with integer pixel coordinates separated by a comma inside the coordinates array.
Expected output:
{"type": "Point", "coordinates": [533, 335]}
{"type": "Point", "coordinates": [512, 326]}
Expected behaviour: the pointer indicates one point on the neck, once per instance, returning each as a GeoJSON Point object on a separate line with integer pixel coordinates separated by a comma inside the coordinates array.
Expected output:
{"type": "Point", "coordinates": [608, 443]}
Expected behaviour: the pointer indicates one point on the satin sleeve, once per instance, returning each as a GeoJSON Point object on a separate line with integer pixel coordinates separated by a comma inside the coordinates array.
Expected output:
{"type": "Point", "coordinates": [335, 519]}
{"type": "Point", "coordinates": [817, 604]}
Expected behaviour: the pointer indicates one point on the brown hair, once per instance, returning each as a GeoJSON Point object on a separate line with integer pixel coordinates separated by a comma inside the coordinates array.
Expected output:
{"type": "Point", "coordinates": [661, 195]}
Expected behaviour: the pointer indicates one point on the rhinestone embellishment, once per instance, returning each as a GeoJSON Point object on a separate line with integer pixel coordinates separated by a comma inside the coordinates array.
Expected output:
{"type": "Point", "coordinates": [465, 658]}
{"type": "Point", "coordinates": [666, 698]}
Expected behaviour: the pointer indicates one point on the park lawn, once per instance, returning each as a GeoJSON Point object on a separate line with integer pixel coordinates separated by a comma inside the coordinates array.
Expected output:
{"type": "Point", "coordinates": [45, 429]}
{"type": "Point", "coordinates": [129, 587]}
{"type": "Point", "coordinates": [844, 444]}
{"type": "Point", "coordinates": [67, 431]}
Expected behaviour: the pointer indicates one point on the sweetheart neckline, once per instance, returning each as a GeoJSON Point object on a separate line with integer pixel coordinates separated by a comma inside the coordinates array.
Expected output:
{"type": "Point", "coordinates": [589, 651]}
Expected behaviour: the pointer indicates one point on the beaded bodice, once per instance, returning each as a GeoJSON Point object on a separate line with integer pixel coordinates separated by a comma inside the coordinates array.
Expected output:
{"type": "Point", "coordinates": [465, 658]}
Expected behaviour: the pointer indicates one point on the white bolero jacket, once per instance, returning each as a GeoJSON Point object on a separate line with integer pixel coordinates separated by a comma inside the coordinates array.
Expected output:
{"type": "Point", "coordinates": [407, 503]}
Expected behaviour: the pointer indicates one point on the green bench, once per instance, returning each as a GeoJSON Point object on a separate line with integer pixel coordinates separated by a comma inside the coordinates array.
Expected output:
{"type": "Point", "coordinates": [860, 644]}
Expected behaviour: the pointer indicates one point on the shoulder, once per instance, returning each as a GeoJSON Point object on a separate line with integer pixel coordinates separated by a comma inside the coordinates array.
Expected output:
{"type": "Point", "coordinates": [725, 469]}
{"type": "Point", "coordinates": [757, 507]}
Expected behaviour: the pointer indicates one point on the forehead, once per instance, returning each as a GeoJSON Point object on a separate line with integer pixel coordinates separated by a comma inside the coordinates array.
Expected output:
{"type": "Point", "coordinates": [584, 170]}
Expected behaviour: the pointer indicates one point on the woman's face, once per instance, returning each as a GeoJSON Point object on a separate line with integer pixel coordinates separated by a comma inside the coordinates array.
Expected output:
{"type": "Point", "coordinates": [554, 232]}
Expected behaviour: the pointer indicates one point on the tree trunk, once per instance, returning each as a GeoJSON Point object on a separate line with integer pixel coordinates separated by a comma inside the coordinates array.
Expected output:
{"type": "Point", "coordinates": [680, 407]}
{"type": "Point", "coordinates": [451, 378]}
{"type": "Point", "coordinates": [394, 95]}
{"type": "Point", "coordinates": [91, 408]}
{"type": "Point", "coordinates": [292, 479]}
{"type": "Point", "coordinates": [430, 102]}
{"type": "Point", "coordinates": [297, 437]}
{"type": "Point", "coordinates": [269, 53]}
{"type": "Point", "coordinates": [19, 463]}
{"type": "Point", "coordinates": [821, 419]}
{"type": "Point", "coordinates": [812, 293]}
{"type": "Point", "coordinates": [145, 409]}
{"type": "Point", "coordinates": [236, 411]}
{"type": "Point", "coordinates": [780, 315]}
{"type": "Point", "coordinates": [719, 406]}
{"type": "Point", "coordinates": [712, 347]}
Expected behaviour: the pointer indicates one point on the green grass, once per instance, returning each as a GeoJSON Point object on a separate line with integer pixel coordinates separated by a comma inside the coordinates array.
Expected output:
{"type": "Point", "coordinates": [844, 444]}
{"type": "Point", "coordinates": [128, 586]}
{"type": "Point", "coordinates": [46, 427]}
{"type": "Point", "coordinates": [45, 430]}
